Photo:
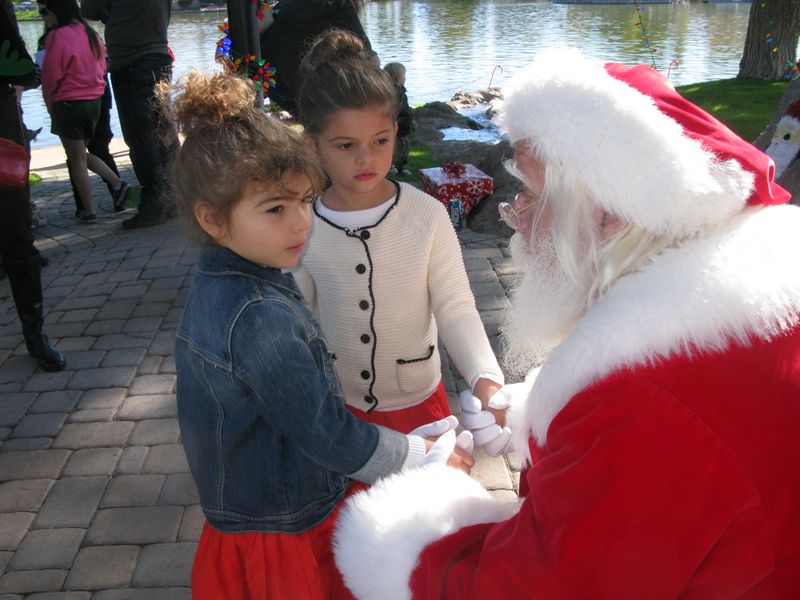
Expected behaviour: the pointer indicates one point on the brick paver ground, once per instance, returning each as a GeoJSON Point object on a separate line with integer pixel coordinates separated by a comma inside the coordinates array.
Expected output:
{"type": "Point", "coordinates": [96, 502]}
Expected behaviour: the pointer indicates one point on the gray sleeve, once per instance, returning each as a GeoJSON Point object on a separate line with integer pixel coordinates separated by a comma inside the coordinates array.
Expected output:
{"type": "Point", "coordinates": [389, 457]}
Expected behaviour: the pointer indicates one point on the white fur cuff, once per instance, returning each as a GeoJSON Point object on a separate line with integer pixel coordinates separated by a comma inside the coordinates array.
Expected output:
{"type": "Point", "coordinates": [382, 532]}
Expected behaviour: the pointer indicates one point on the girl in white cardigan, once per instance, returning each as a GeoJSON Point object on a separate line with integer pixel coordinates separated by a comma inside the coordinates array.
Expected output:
{"type": "Point", "coordinates": [383, 269]}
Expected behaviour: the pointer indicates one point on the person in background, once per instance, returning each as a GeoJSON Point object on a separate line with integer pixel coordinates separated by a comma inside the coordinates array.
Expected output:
{"type": "Point", "coordinates": [138, 59]}
{"type": "Point", "coordinates": [269, 442]}
{"type": "Point", "coordinates": [98, 145]}
{"type": "Point", "coordinates": [383, 268]}
{"type": "Point", "coordinates": [660, 288]}
{"type": "Point", "coordinates": [73, 72]}
{"type": "Point", "coordinates": [296, 25]}
{"type": "Point", "coordinates": [406, 125]}
{"type": "Point", "coordinates": [21, 259]}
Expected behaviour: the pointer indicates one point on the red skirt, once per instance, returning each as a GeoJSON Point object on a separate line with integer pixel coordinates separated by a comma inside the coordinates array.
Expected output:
{"type": "Point", "coordinates": [405, 420]}
{"type": "Point", "coordinates": [269, 566]}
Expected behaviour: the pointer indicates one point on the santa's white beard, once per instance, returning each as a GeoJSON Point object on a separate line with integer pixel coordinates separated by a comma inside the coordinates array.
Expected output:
{"type": "Point", "coordinates": [545, 306]}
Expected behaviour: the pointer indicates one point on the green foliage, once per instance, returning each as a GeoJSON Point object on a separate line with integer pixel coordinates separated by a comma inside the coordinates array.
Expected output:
{"type": "Point", "coordinates": [419, 157]}
{"type": "Point", "coordinates": [28, 15]}
{"type": "Point", "coordinates": [133, 197]}
{"type": "Point", "coordinates": [745, 105]}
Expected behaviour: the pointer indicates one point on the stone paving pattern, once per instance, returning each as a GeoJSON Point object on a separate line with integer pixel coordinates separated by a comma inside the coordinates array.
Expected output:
{"type": "Point", "coordinates": [96, 501]}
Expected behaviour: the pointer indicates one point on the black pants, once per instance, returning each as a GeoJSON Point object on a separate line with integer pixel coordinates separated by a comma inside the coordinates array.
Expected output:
{"type": "Point", "coordinates": [151, 141]}
{"type": "Point", "coordinates": [16, 238]}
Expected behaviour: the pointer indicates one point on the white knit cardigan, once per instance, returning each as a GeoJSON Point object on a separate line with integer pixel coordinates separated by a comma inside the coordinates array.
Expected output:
{"type": "Point", "coordinates": [380, 292]}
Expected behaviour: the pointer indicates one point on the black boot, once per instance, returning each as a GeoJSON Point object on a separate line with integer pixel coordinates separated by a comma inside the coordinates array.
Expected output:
{"type": "Point", "coordinates": [26, 286]}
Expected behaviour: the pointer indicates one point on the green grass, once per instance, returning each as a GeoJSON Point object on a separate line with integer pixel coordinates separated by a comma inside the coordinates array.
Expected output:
{"type": "Point", "coordinates": [419, 157]}
{"type": "Point", "coordinates": [28, 15]}
{"type": "Point", "coordinates": [133, 196]}
{"type": "Point", "coordinates": [745, 105]}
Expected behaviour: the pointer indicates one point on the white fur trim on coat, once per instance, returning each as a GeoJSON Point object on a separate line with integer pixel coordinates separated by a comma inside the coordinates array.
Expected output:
{"type": "Point", "coordinates": [634, 160]}
{"type": "Point", "coordinates": [739, 281]}
{"type": "Point", "coordinates": [381, 532]}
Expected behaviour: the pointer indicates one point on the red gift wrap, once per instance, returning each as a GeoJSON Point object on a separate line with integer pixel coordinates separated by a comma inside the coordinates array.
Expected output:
{"type": "Point", "coordinates": [457, 180]}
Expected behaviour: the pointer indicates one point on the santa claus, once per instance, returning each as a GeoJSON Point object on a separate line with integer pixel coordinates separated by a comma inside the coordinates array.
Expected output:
{"type": "Point", "coordinates": [662, 429]}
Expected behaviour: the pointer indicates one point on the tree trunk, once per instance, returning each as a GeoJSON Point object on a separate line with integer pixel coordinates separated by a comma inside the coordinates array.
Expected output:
{"type": "Point", "coordinates": [790, 94]}
{"type": "Point", "coordinates": [790, 177]}
{"type": "Point", "coordinates": [770, 48]}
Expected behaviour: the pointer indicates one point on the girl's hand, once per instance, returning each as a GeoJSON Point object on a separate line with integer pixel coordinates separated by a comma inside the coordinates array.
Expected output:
{"type": "Point", "coordinates": [461, 459]}
{"type": "Point", "coordinates": [450, 451]}
{"type": "Point", "coordinates": [484, 390]}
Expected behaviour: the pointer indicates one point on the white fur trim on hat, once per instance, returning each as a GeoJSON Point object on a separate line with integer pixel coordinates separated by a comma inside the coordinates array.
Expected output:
{"type": "Point", "coordinates": [612, 141]}
{"type": "Point", "coordinates": [381, 533]}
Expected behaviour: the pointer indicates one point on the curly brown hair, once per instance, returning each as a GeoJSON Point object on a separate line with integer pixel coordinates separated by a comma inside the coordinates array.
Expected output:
{"type": "Point", "coordinates": [229, 144]}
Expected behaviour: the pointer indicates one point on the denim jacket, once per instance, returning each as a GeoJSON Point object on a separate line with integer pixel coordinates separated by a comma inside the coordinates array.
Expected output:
{"type": "Point", "coordinates": [269, 441]}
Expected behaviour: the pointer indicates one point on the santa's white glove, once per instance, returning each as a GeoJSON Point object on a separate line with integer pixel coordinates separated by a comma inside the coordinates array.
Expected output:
{"type": "Point", "coordinates": [444, 446]}
{"type": "Point", "coordinates": [416, 440]}
{"type": "Point", "coordinates": [436, 428]}
{"type": "Point", "coordinates": [494, 440]}
{"type": "Point", "coordinates": [440, 451]}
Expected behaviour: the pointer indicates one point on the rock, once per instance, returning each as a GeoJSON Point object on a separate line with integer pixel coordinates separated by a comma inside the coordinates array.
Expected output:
{"type": "Point", "coordinates": [488, 157]}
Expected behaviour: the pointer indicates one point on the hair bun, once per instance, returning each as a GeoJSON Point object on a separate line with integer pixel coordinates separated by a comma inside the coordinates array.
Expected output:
{"type": "Point", "coordinates": [335, 45]}
{"type": "Point", "coordinates": [202, 101]}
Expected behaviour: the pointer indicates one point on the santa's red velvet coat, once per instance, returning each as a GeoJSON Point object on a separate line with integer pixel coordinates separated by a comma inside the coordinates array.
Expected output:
{"type": "Point", "coordinates": [664, 435]}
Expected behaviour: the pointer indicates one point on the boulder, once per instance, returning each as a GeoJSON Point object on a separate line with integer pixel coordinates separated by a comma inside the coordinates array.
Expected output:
{"type": "Point", "coordinates": [488, 157]}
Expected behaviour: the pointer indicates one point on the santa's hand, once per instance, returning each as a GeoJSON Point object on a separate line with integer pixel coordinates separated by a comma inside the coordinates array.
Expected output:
{"type": "Point", "coordinates": [436, 428]}
{"type": "Point", "coordinates": [465, 441]}
{"type": "Point", "coordinates": [494, 440]}
{"type": "Point", "coordinates": [441, 450]}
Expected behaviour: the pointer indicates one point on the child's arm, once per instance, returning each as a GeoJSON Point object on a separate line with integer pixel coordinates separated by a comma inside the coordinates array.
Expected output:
{"type": "Point", "coordinates": [459, 323]}
{"type": "Point", "coordinates": [292, 390]}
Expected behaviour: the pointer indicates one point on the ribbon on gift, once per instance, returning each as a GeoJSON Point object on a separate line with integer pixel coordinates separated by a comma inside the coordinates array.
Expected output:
{"type": "Point", "coordinates": [454, 169]}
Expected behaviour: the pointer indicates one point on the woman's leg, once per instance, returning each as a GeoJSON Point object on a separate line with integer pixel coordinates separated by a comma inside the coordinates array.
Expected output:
{"type": "Point", "coordinates": [76, 154]}
{"type": "Point", "coordinates": [96, 165]}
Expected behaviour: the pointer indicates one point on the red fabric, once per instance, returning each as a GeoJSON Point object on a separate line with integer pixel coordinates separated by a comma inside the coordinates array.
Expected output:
{"type": "Point", "coordinates": [471, 186]}
{"type": "Point", "coordinates": [678, 480]}
{"type": "Point", "coordinates": [710, 132]}
{"type": "Point", "coordinates": [407, 419]}
{"type": "Point", "coordinates": [269, 566]}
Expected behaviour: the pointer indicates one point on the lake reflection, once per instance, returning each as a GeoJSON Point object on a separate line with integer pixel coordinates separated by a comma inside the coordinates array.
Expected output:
{"type": "Point", "coordinates": [450, 45]}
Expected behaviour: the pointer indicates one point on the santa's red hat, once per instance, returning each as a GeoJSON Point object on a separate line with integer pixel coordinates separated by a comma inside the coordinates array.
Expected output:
{"type": "Point", "coordinates": [641, 150]}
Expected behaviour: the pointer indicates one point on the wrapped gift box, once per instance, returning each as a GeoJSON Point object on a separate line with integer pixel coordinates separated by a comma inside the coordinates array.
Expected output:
{"type": "Point", "coordinates": [455, 180]}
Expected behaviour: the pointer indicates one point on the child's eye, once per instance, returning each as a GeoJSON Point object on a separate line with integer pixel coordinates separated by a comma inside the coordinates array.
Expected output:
{"type": "Point", "coordinates": [276, 209]}
{"type": "Point", "coordinates": [382, 141]}
{"type": "Point", "coordinates": [345, 146]}
{"type": "Point", "coordinates": [308, 199]}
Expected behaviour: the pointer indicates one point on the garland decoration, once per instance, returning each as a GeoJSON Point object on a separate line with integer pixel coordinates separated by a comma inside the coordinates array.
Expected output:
{"type": "Point", "coordinates": [645, 39]}
{"type": "Point", "coordinates": [261, 73]}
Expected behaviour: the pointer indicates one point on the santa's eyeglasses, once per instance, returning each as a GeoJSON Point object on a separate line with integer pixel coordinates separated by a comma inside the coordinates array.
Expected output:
{"type": "Point", "coordinates": [517, 218]}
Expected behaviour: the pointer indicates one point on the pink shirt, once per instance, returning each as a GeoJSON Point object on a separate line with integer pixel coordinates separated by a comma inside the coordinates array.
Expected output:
{"type": "Point", "coordinates": [71, 71]}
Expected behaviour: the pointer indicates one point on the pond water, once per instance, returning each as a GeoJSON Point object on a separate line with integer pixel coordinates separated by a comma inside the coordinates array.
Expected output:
{"type": "Point", "coordinates": [453, 45]}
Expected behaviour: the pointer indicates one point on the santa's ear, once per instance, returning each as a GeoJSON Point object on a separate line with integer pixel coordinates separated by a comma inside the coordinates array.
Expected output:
{"type": "Point", "coordinates": [609, 224]}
